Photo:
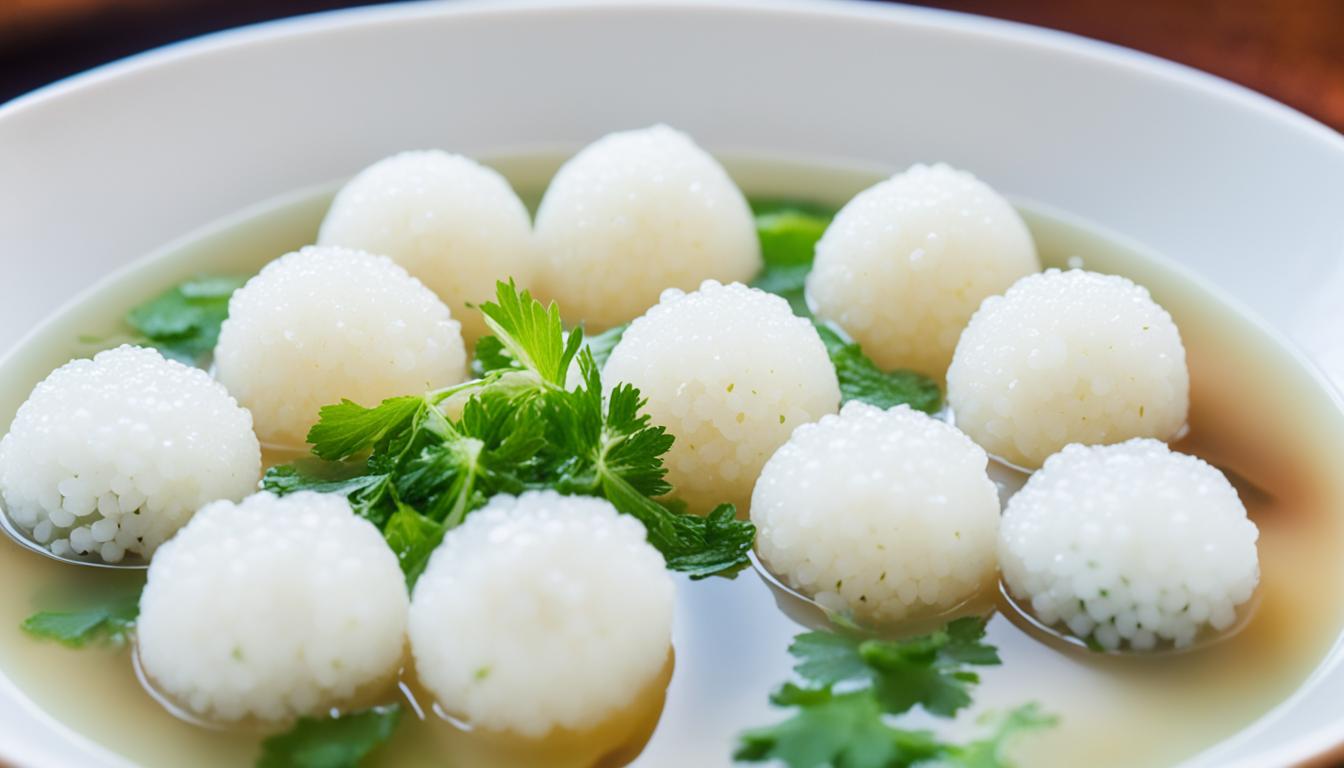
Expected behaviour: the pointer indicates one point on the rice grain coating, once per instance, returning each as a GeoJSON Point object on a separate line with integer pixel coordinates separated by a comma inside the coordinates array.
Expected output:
{"type": "Point", "coordinates": [273, 608]}
{"type": "Point", "coordinates": [906, 263]}
{"type": "Point", "coordinates": [634, 213]}
{"type": "Point", "coordinates": [1129, 544]}
{"type": "Point", "coordinates": [324, 324]}
{"type": "Point", "coordinates": [885, 515]}
{"type": "Point", "coordinates": [730, 371]}
{"type": "Point", "coordinates": [112, 455]}
{"type": "Point", "coordinates": [1068, 357]}
{"type": "Point", "coordinates": [541, 611]}
{"type": "Point", "coordinates": [453, 223]}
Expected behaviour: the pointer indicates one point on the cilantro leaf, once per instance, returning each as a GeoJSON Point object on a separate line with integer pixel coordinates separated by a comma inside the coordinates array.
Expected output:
{"type": "Point", "coordinates": [369, 493]}
{"type": "Point", "coordinates": [881, 679]}
{"type": "Point", "coordinates": [330, 742]}
{"type": "Point", "coordinates": [788, 233]}
{"type": "Point", "coordinates": [109, 623]}
{"type": "Point", "coordinates": [861, 379]}
{"type": "Point", "coordinates": [347, 428]}
{"type": "Point", "coordinates": [715, 545]}
{"type": "Point", "coordinates": [413, 537]}
{"type": "Point", "coordinates": [834, 730]}
{"type": "Point", "coordinates": [532, 334]}
{"type": "Point", "coordinates": [491, 356]}
{"type": "Point", "coordinates": [183, 322]}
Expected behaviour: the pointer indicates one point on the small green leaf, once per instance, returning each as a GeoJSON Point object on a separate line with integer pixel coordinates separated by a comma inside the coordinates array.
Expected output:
{"type": "Point", "coordinates": [600, 345]}
{"type": "Point", "coordinates": [183, 322]}
{"type": "Point", "coordinates": [413, 537]}
{"type": "Point", "coordinates": [861, 379]}
{"type": "Point", "coordinates": [348, 428]}
{"type": "Point", "coordinates": [788, 233]}
{"type": "Point", "coordinates": [330, 742]}
{"type": "Point", "coordinates": [532, 334]}
{"type": "Point", "coordinates": [109, 623]}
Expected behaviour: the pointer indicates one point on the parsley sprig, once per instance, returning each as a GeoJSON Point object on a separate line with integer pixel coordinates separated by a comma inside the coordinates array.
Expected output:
{"type": "Point", "coordinates": [854, 686]}
{"type": "Point", "coordinates": [416, 472]}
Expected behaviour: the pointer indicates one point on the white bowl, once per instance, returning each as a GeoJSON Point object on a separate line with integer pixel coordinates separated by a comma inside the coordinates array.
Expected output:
{"type": "Point", "coordinates": [100, 169]}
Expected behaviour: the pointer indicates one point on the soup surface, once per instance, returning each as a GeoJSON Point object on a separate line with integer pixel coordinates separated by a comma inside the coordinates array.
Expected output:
{"type": "Point", "coordinates": [1255, 413]}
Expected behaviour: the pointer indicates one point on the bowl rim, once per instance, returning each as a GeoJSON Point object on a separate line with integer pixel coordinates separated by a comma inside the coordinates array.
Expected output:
{"type": "Point", "coordinates": [1316, 745]}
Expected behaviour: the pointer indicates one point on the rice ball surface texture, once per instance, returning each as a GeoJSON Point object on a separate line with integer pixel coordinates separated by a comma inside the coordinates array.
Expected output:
{"type": "Point", "coordinates": [273, 608]}
{"type": "Point", "coordinates": [1130, 544]}
{"type": "Point", "coordinates": [451, 222]}
{"type": "Point", "coordinates": [634, 213]}
{"type": "Point", "coordinates": [730, 371]}
{"type": "Point", "coordinates": [542, 611]}
{"type": "Point", "coordinates": [110, 456]}
{"type": "Point", "coordinates": [906, 263]}
{"type": "Point", "coordinates": [325, 324]}
{"type": "Point", "coordinates": [882, 514]}
{"type": "Point", "coordinates": [1068, 357]}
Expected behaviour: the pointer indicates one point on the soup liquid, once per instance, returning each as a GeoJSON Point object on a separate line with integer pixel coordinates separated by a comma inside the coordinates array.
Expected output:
{"type": "Point", "coordinates": [1255, 412]}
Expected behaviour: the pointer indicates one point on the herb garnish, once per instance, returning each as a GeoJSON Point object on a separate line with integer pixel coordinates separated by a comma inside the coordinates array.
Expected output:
{"type": "Point", "coordinates": [330, 742]}
{"type": "Point", "coordinates": [183, 322]}
{"type": "Point", "coordinates": [416, 471]}
{"type": "Point", "coordinates": [853, 686]}
{"type": "Point", "coordinates": [109, 622]}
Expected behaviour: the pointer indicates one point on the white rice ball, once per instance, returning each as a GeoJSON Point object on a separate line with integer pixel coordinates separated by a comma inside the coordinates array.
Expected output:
{"type": "Point", "coordinates": [634, 213]}
{"type": "Point", "coordinates": [273, 608]}
{"type": "Point", "coordinates": [111, 456]}
{"type": "Point", "coordinates": [885, 515]}
{"type": "Point", "coordinates": [905, 264]}
{"type": "Point", "coordinates": [1129, 544]}
{"type": "Point", "coordinates": [453, 223]}
{"type": "Point", "coordinates": [542, 611]}
{"type": "Point", "coordinates": [730, 371]}
{"type": "Point", "coordinates": [1068, 357]}
{"type": "Point", "coordinates": [326, 323]}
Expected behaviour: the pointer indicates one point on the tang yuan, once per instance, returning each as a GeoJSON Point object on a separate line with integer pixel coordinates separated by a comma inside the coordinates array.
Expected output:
{"type": "Point", "coordinates": [634, 213]}
{"type": "Point", "coordinates": [451, 222]}
{"type": "Point", "coordinates": [730, 371]}
{"type": "Point", "coordinates": [1130, 544]}
{"type": "Point", "coordinates": [324, 324]}
{"type": "Point", "coordinates": [1068, 357]}
{"type": "Point", "coordinates": [109, 457]}
{"type": "Point", "coordinates": [541, 612]}
{"type": "Point", "coordinates": [907, 261]}
{"type": "Point", "coordinates": [273, 608]}
{"type": "Point", "coordinates": [885, 515]}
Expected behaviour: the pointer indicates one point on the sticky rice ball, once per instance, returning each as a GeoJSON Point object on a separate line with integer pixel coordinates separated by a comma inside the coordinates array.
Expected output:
{"type": "Point", "coordinates": [1068, 357]}
{"type": "Point", "coordinates": [540, 612]}
{"type": "Point", "coordinates": [634, 213]}
{"type": "Point", "coordinates": [1130, 544]}
{"type": "Point", "coordinates": [451, 222]}
{"type": "Point", "coordinates": [110, 456]}
{"type": "Point", "coordinates": [884, 515]}
{"type": "Point", "coordinates": [906, 263]}
{"type": "Point", "coordinates": [730, 371]}
{"type": "Point", "coordinates": [273, 608]}
{"type": "Point", "coordinates": [325, 324]}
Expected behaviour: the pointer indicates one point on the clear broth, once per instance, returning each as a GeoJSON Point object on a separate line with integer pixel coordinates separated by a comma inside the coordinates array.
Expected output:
{"type": "Point", "coordinates": [1255, 411]}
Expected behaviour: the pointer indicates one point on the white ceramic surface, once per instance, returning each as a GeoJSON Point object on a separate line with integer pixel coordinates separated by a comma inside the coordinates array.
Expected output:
{"type": "Point", "coordinates": [100, 169]}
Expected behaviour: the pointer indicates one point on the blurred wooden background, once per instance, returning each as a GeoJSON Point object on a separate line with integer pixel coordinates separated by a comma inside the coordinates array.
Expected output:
{"type": "Point", "coordinates": [1292, 50]}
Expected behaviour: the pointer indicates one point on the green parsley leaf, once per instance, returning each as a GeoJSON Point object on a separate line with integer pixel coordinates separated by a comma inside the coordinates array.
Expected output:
{"type": "Point", "coordinates": [532, 334]}
{"type": "Point", "coordinates": [369, 493]}
{"type": "Point", "coordinates": [845, 730]}
{"type": "Point", "coordinates": [330, 742]}
{"type": "Point", "coordinates": [491, 356]}
{"type": "Point", "coordinates": [881, 679]}
{"type": "Point", "coordinates": [183, 322]}
{"type": "Point", "coordinates": [861, 379]}
{"type": "Point", "coordinates": [348, 428]}
{"type": "Point", "coordinates": [109, 623]}
{"type": "Point", "coordinates": [788, 233]}
{"type": "Point", "coordinates": [413, 537]}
